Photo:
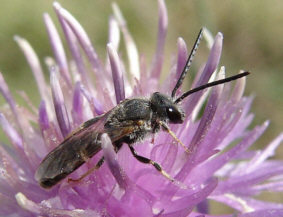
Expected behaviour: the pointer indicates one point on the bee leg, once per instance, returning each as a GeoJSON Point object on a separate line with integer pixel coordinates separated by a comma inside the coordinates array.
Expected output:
{"type": "Point", "coordinates": [152, 139]}
{"type": "Point", "coordinates": [97, 166]}
{"type": "Point", "coordinates": [153, 163]}
{"type": "Point", "coordinates": [166, 127]}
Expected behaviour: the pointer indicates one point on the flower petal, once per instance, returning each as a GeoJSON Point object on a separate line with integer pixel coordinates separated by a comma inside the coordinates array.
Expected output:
{"type": "Point", "coordinates": [57, 48]}
{"type": "Point", "coordinates": [59, 105]}
{"type": "Point", "coordinates": [74, 48]}
{"type": "Point", "coordinates": [203, 206]}
{"type": "Point", "coordinates": [12, 134]}
{"type": "Point", "coordinates": [265, 213]}
{"type": "Point", "coordinates": [77, 110]}
{"type": "Point", "coordinates": [86, 44]}
{"type": "Point", "coordinates": [41, 210]}
{"type": "Point", "coordinates": [111, 159]}
{"type": "Point", "coordinates": [82, 37]}
{"type": "Point", "coordinates": [162, 32]}
{"type": "Point", "coordinates": [96, 106]}
{"type": "Point", "coordinates": [187, 203]}
{"type": "Point", "coordinates": [114, 33]}
{"type": "Point", "coordinates": [117, 73]}
{"type": "Point", "coordinates": [35, 67]}
{"type": "Point", "coordinates": [43, 117]}
{"type": "Point", "coordinates": [211, 166]}
{"type": "Point", "coordinates": [182, 57]}
{"type": "Point", "coordinates": [239, 89]}
{"type": "Point", "coordinates": [4, 89]}
{"type": "Point", "coordinates": [269, 151]}
{"type": "Point", "coordinates": [132, 51]}
{"type": "Point", "coordinates": [200, 135]}
{"type": "Point", "coordinates": [210, 67]}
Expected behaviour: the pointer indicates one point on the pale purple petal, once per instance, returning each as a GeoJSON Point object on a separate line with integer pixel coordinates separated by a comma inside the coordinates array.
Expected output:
{"type": "Point", "coordinates": [57, 48]}
{"type": "Point", "coordinates": [210, 67]}
{"type": "Point", "coordinates": [23, 123]}
{"type": "Point", "coordinates": [28, 102]}
{"type": "Point", "coordinates": [77, 110]}
{"type": "Point", "coordinates": [35, 66]}
{"type": "Point", "coordinates": [43, 116]}
{"type": "Point", "coordinates": [246, 205]}
{"type": "Point", "coordinates": [262, 205]}
{"type": "Point", "coordinates": [188, 202]}
{"type": "Point", "coordinates": [273, 186]}
{"type": "Point", "coordinates": [176, 70]}
{"type": "Point", "coordinates": [13, 135]}
{"type": "Point", "coordinates": [49, 131]}
{"type": "Point", "coordinates": [82, 37]}
{"type": "Point", "coordinates": [207, 119]}
{"type": "Point", "coordinates": [182, 57]}
{"type": "Point", "coordinates": [132, 51]}
{"type": "Point", "coordinates": [96, 106]}
{"type": "Point", "coordinates": [58, 102]}
{"type": "Point", "coordinates": [193, 214]}
{"type": "Point", "coordinates": [111, 159]}
{"type": "Point", "coordinates": [117, 73]}
{"type": "Point", "coordinates": [182, 212]}
{"type": "Point", "coordinates": [262, 156]}
{"type": "Point", "coordinates": [162, 32]}
{"type": "Point", "coordinates": [264, 213]}
{"type": "Point", "coordinates": [114, 33]}
{"type": "Point", "coordinates": [213, 59]}
{"type": "Point", "coordinates": [42, 210]}
{"type": "Point", "coordinates": [27, 204]}
{"type": "Point", "coordinates": [235, 129]}
{"type": "Point", "coordinates": [4, 89]}
{"type": "Point", "coordinates": [239, 89]}
{"type": "Point", "coordinates": [200, 134]}
{"type": "Point", "coordinates": [203, 207]}
{"type": "Point", "coordinates": [209, 167]}
{"type": "Point", "coordinates": [9, 206]}
{"type": "Point", "coordinates": [241, 182]}
{"type": "Point", "coordinates": [207, 35]}
{"type": "Point", "coordinates": [74, 48]}
{"type": "Point", "coordinates": [102, 81]}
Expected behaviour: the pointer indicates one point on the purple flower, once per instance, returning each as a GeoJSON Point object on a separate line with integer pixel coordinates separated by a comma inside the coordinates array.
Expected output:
{"type": "Point", "coordinates": [221, 167]}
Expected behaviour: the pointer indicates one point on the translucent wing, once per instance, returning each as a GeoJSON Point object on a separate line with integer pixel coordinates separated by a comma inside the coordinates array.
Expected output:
{"type": "Point", "coordinates": [75, 150]}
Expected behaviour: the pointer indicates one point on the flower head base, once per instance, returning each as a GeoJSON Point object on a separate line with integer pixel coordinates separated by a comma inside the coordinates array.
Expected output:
{"type": "Point", "coordinates": [215, 169]}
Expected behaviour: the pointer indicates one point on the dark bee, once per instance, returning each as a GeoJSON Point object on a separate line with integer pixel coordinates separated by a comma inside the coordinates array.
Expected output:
{"type": "Point", "coordinates": [130, 121]}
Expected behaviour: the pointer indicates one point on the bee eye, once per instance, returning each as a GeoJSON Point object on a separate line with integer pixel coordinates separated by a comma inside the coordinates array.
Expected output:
{"type": "Point", "coordinates": [173, 114]}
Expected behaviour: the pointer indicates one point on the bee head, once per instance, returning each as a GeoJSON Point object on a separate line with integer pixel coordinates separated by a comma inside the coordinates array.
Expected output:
{"type": "Point", "coordinates": [166, 109]}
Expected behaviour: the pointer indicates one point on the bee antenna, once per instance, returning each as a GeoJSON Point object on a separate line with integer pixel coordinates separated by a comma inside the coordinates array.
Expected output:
{"type": "Point", "coordinates": [188, 64]}
{"type": "Point", "coordinates": [214, 83]}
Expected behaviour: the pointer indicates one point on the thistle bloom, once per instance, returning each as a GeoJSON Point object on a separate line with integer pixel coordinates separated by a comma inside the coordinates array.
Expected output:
{"type": "Point", "coordinates": [220, 166]}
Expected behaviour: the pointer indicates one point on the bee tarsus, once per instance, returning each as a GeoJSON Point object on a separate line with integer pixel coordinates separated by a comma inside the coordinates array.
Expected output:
{"type": "Point", "coordinates": [153, 163]}
{"type": "Point", "coordinates": [91, 170]}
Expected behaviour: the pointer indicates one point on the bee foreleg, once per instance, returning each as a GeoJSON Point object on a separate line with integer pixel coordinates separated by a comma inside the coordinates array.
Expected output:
{"type": "Point", "coordinates": [153, 163]}
{"type": "Point", "coordinates": [97, 166]}
{"type": "Point", "coordinates": [152, 139]}
{"type": "Point", "coordinates": [166, 127]}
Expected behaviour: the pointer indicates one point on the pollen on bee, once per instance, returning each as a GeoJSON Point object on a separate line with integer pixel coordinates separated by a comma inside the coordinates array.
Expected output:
{"type": "Point", "coordinates": [140, 122]}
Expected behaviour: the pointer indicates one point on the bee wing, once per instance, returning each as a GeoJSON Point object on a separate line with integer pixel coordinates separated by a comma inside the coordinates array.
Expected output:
{"type": "Point", "coordinates": [75, 150]}
{"type": "Point", "coordinates": [117, 133]}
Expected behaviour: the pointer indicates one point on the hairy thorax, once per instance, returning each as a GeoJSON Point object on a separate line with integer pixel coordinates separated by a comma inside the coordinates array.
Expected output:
{"type": "Point", "coordinates": [130, 122]}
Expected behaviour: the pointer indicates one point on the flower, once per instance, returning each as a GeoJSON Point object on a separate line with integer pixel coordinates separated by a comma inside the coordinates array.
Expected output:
{"type": "Point", "coordinates": [220, 166]}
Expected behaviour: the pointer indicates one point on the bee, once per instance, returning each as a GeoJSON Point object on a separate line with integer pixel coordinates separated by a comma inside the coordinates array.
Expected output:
{"type": "Point", "coordinates": [128, 122]}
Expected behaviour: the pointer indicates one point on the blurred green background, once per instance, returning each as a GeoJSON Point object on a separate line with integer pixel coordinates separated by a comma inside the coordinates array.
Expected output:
{"type": "Point", "coordinates": [253, 40]}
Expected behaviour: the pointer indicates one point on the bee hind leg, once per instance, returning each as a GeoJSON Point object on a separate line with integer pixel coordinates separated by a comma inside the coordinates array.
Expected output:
{"type": "Point", "coordinates": [97, 166]}
{"type": "Point", "coordinates": [153, 163]}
